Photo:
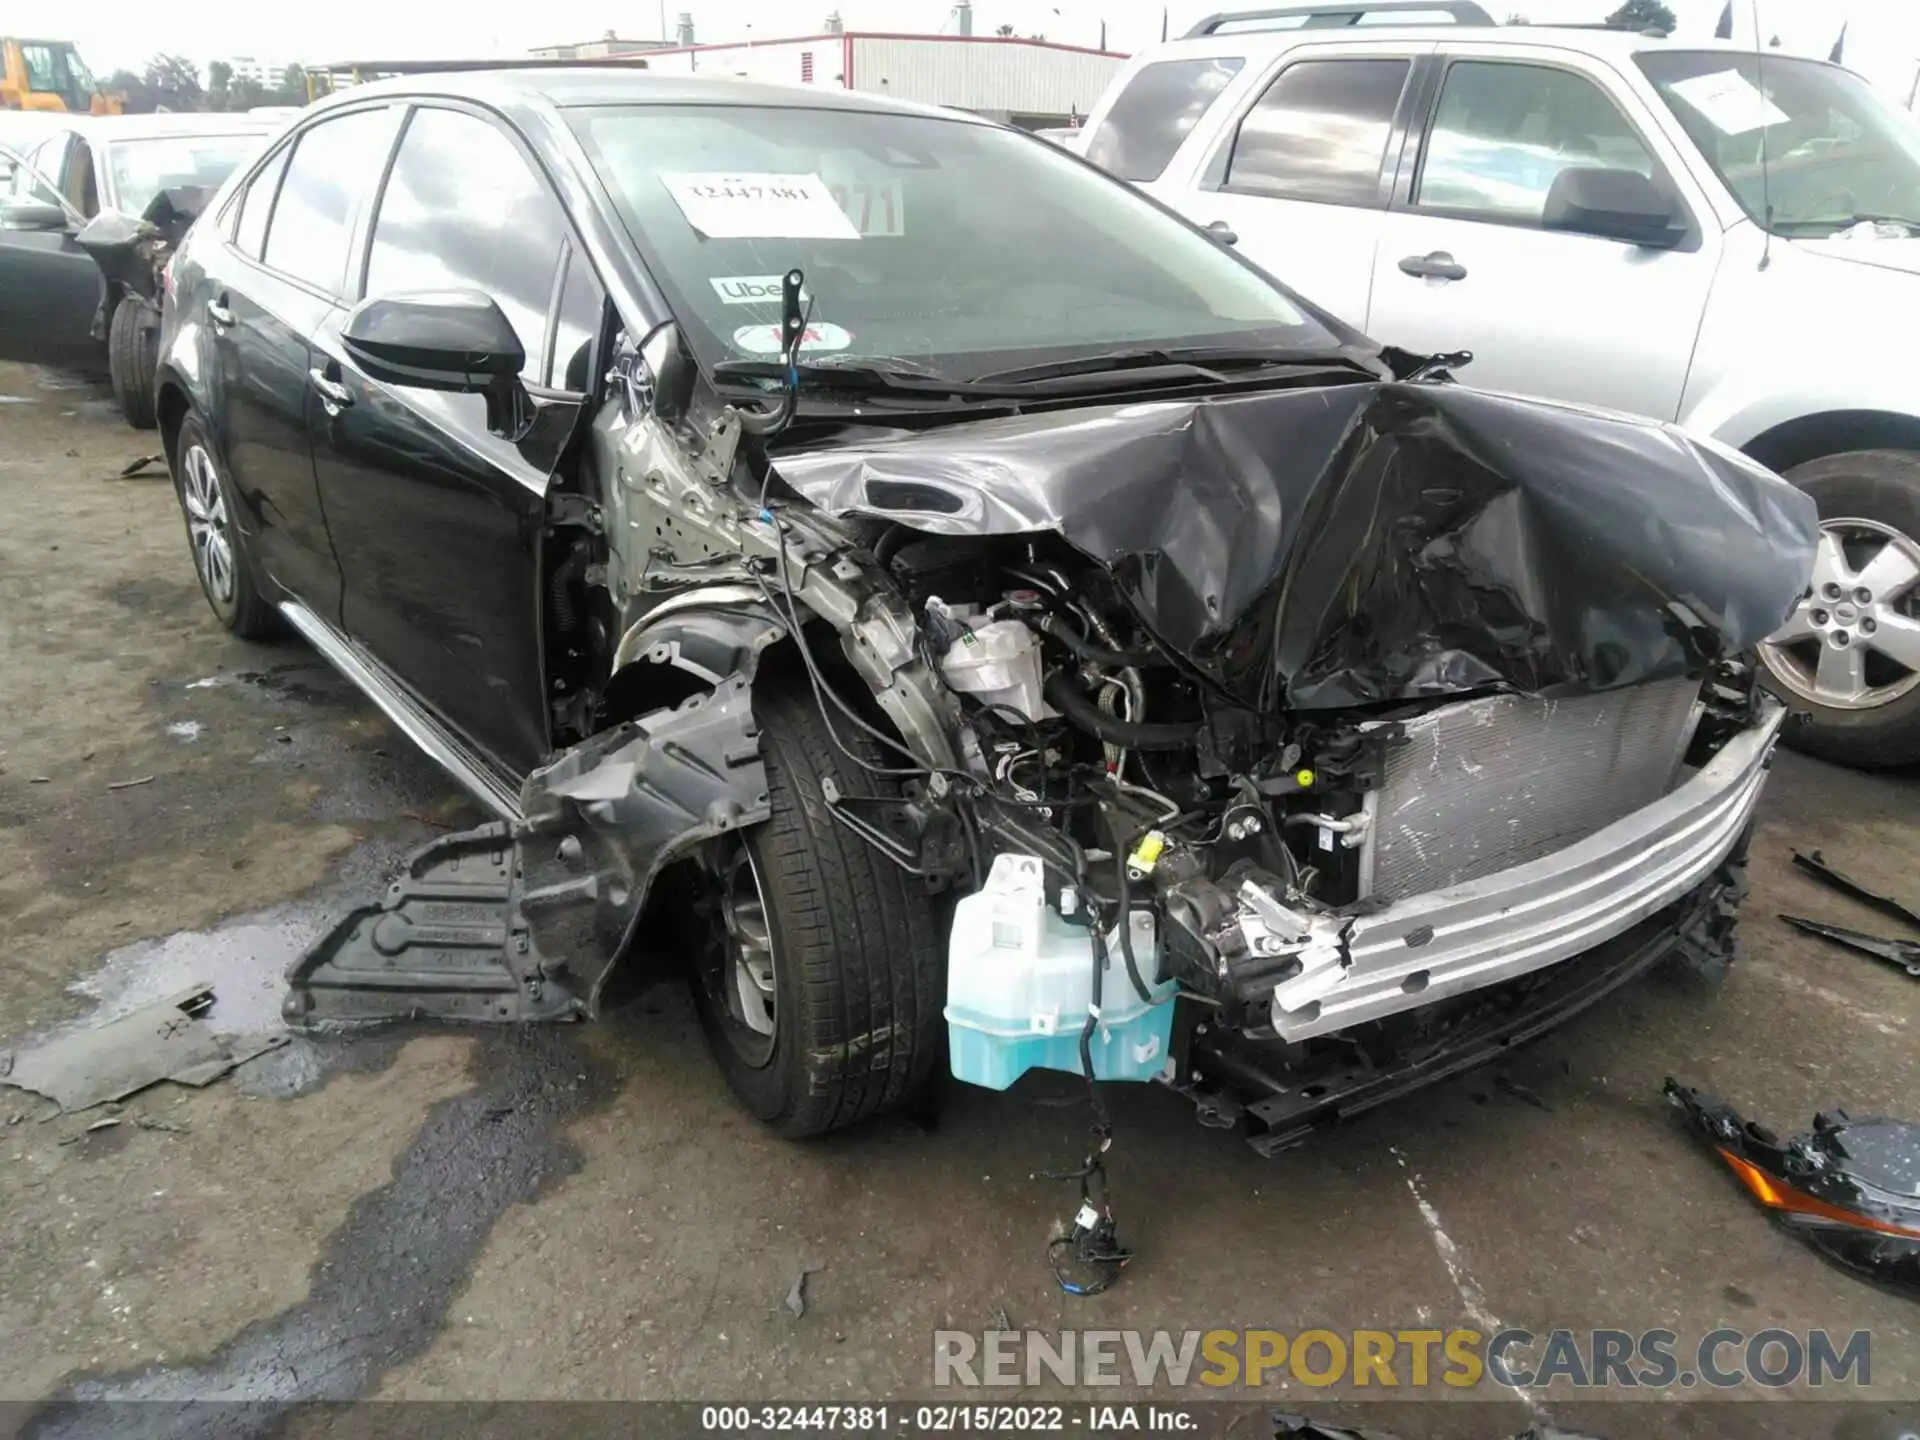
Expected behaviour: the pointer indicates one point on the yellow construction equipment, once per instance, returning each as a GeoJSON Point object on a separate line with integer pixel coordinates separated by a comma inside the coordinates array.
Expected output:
{"type": "Point", "coordinates": [49, 75]}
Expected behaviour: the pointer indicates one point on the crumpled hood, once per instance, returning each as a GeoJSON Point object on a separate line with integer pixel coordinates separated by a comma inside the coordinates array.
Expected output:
{"type": "Point", "coordinates": [1375, 541]}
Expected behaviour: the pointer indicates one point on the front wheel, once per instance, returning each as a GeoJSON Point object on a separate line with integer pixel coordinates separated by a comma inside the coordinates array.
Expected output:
{"type": "Point", "coordinates": [133, 357]}
{"type": "Point", "coordinates": [1848, 659]}
{"type": "Point", "coordinates": [822, 983]}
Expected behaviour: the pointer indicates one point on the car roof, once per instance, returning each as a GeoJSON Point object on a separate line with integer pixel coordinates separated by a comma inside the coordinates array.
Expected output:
{"type": "Point", "coordinates": [569, 85]}
{"type": "Point", "coordinates": [106, 129]}
{"type": "Point", "coordinates": [1611, 44]}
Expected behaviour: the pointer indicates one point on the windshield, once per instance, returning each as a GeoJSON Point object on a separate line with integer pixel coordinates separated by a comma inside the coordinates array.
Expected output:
{"type": "Point", "coordinates": [141, 169]}
{"type": "Point", "coordinates": [1836, 151]}
{"type": "Point", "coordinates": [951, 244]}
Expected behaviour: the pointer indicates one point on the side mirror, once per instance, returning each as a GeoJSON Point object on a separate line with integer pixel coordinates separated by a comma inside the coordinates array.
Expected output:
{"type": "Point", "coordinates": [670, 370]}
{"type": "Point", "coordinates": [453, 340]}
{"type": "Point", "coordinates": [31, 215]}
{"type": "Point", "coordinates": [1613, 204]}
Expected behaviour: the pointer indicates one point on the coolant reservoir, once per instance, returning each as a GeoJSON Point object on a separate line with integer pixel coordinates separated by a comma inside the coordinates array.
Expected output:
{"type": "Point", "coordinates": [998, 664]}
{"type": "Point", "coordinates": [1019, 979]}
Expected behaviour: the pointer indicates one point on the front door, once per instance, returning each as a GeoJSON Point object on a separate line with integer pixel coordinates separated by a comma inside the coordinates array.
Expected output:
{"type": "Point", "coordinates": [437, 521]}
{"type": "Point", "coordinates": [1464, 264]}
{"type": "Point", "coordinates": [50, 289]}
{"type": "Point", "coordinates": [1302, 176]}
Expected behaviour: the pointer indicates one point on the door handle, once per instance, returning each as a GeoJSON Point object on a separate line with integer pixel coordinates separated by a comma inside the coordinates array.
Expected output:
{"type": "Point", "coordinates": [334, 397]}
{"type": "Point", "coordinates": [218, 313]}
{"type": "Point", "coordinates": [1222, 232]}
{"type": "Point", "coordinates": [1437, 266]}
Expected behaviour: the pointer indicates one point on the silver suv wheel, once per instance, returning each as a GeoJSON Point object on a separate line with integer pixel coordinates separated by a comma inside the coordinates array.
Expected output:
{"type": "Point", "coordinates": [1853, 642]}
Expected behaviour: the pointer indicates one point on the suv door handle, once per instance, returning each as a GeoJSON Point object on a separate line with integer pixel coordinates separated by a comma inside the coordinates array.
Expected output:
{"type": "Point", "coordinates": [1437, 266]}
{"type": "Point", "coordinates": [218, 313]}
{"type": "Point", "coordinates": [334, 397]}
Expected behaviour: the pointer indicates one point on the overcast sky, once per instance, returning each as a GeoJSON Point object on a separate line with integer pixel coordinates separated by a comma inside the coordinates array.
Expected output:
{"type": "Point", "coordinates": [1884, 41]}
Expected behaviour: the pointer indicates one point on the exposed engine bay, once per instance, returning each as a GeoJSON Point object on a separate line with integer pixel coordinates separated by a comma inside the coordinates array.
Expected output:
{"type": "Point", "coordinates": [1258, 721]}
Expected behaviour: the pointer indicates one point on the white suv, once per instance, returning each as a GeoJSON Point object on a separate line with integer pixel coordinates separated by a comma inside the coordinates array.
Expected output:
{"type": "Point", "coordinates": [1586, 211]}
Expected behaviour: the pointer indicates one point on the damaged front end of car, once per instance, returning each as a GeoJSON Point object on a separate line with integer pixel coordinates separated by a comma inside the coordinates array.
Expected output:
{"type": "Point", "coordinates": [133, 251]}
{"type": "Point", "coordinates": [1285, 746]}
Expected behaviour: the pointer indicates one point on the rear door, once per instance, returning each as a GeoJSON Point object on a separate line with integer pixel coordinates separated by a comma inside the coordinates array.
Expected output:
{"type": "Point", "coordinates": [271, 288]}
{"type": "Point", "coordinates": [1302, 169]}
{"type": "Point", "coordinates": [436, 520]}
{"type": "Point", "coordinates": [1464, 263]}
{"type": "Point", "coordinates": [50, 289]}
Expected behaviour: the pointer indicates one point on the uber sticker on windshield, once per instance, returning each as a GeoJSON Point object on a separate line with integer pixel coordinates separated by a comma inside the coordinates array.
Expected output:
{"type": "Point", "coordinates": [749, 289]}
{"type": "Point", "coordinates": [724, 205]}
{"type": "Point", "coordinates": [1730, 101]}
{"type": "Point", "coordinates": [765, 339]}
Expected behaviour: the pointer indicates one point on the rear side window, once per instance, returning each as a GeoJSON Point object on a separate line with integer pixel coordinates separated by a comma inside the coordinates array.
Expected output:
{"type": "Point", "coordinates": [1319, 132]}
{"type": "Point", "coordinates": [332, 165]}
{"type": "Point", "coordinates": [1502, 134]}
{"type": "Point", "coordinates": [250, 235]}
{"type": "Point", "coordinates": [462, 211]}
{"type": "Point", "coordinates": [1154, 114]}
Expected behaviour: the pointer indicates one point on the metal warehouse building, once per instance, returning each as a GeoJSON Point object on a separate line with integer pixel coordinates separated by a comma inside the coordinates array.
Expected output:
{"type": "Point", "coordinates": [1031, 83]}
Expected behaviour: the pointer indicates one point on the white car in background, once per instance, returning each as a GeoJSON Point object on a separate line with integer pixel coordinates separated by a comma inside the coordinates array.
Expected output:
{"type": "Point", "coordinates": [1587, 212]}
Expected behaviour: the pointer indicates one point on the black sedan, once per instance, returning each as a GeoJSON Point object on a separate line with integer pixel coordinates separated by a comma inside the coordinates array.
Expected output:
{"type": "Point", "coordinates": [959, 609]}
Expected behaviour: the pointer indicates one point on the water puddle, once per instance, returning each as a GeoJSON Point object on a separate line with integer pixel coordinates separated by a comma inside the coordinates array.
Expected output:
{"type": "Point", "coordinates": [245, 959]}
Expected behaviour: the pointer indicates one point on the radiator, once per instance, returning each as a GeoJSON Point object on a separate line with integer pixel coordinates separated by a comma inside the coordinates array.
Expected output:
{"type": "Point", "coordinates": [1484, 785]}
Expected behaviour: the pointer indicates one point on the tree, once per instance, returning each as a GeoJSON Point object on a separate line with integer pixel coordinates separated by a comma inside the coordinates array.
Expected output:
{"type": "Point", "coordinates": [175, 82]}
{"type": "Point", "coordinates": [135, 94]}
{"type": "Point", "coordinates": [1004, 32]}
{"type": "Point", "coordinates": [219, 79]}
{"type": "Point", "coordinates": [1642, 15]}
{"type": "Point", "coordinates": [293, 87]}
{"type": "Point", "coordinates": [245, 93]}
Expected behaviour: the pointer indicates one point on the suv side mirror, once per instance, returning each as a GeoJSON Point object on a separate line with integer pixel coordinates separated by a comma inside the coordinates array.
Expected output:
{"type": "Point", "coordinates": [1613, 204]}
{"type": "Point", "coordinates": [453, 340]}
{"type": "Point", "coordinates": [31, 215]}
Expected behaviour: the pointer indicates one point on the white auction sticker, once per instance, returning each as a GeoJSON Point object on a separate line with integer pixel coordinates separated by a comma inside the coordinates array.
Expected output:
{"type": "Point", "coordinates": [765, 339]}
{"type": "Point", "coordinates": [747, 206]}
{"type": "Point", "coordinates": [1730, 101]}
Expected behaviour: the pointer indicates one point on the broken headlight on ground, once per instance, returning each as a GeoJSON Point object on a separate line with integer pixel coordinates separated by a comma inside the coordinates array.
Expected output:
{"type": "Point", "coordinates": [1849, 1188]}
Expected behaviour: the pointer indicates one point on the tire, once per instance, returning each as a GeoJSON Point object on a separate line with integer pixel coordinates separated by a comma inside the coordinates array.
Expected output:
{"type": "Point", "coordinates": [220, 559]}
{"type": "Point", "coordinates": [1869, 716]}
{"type": "Point", "coordinates": [858, 981]}
{"type": "Point", "coordinates": [133, 360]}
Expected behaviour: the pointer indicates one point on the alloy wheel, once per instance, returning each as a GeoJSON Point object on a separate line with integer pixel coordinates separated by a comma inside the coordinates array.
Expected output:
{"type": "Point", "coordinates": [739, 970]}
{"type": "Point", "coordinates": [1853, 641]}
{"type": "Point", "coordinates": [208, 525]}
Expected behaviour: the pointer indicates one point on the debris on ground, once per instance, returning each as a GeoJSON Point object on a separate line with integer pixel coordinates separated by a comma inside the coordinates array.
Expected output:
{"type": "Point", "coordinates": [1521, 1092]}
{"type": "Point", "coordinates": [129, 784]}
{"type": "Point", "coordinates": [1849, 1188]}
{"type": "Point", "coordinates": [796, 1300]}
{"type": "Point", "coordinates": [1816, 865]}
{"type": "Point", "coordinates": [145, 462]}
{"type": "Point", "coordinates": [153, 1122]}
{"type": "Point", "coordinates": [164, 1041]}
{"type": "Point", "coordinates": [1903, 953]}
